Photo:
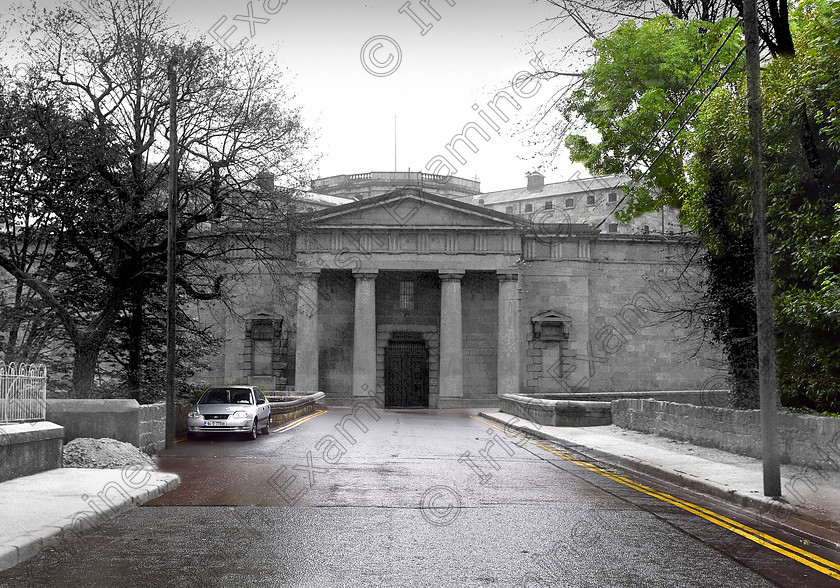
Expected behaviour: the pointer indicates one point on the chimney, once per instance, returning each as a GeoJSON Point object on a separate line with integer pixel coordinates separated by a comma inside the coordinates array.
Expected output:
{"type": "Point", "coordinates": [536, 181]}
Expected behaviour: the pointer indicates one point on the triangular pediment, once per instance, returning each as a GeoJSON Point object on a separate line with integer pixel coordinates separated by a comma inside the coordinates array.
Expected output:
{"type": "Point", "coordinates": [551, 316]}
{"type": "Point", "coordinates": [411, 208]}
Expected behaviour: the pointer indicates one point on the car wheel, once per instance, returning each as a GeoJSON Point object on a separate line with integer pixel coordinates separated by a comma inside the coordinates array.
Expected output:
{"type": "Point", "coordinates": [253, 434]}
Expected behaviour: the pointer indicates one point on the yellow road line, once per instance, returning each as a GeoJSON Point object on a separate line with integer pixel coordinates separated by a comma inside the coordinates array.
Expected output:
{"type": "Point", "coordinates": [811, 560]}
{"type": "Point", "coordinates": [298, 422]}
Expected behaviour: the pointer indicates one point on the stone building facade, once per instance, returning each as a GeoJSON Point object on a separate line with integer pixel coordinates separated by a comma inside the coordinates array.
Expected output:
{"type": "Point", "coordinates": [421, 299]}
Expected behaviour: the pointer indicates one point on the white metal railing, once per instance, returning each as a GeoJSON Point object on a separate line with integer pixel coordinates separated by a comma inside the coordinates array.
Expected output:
{"type": "Point", "coordinates": [23, 392]}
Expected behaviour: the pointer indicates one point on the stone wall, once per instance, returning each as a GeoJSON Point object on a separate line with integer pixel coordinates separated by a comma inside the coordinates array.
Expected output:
{"type": "Point", "coordinates": [336, 316]}
{"type": "Point", "coordinates": [480, 312]}
{"type": "Point", "coordinates": [29, 448]}
{"type": "Point", "coordinates": [123, 420]}
{"type": "Point", "coordinates": [152, 428]}
{"type": "Point", "coordinates": [803, 439]}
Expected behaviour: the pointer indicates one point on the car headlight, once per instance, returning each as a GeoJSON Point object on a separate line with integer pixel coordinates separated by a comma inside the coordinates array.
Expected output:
{"type": "Point", "coordinates": [240, 414]}
{"type": "Point", "coordinates": [194, 414]}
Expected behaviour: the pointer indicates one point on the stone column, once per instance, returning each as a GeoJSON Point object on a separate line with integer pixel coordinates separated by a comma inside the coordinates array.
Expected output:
{"type": "Point", "coordinates": [306, 325]}
{"type": "Point", "coordinates": [451, 336]}
{"type": "Point", "coordinates": [364, 335]}
{"type": "Point", "coordinates": [508, 362]}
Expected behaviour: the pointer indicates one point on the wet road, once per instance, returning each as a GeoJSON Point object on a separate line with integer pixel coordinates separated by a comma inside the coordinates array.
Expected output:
{"type": "Point", "coordinates": [402, 498]}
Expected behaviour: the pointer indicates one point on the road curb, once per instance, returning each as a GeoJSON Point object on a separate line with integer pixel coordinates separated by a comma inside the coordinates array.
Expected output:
{"type": "Point", "coordinates": [765, 506]}
{"type": "Point", "coordinates": [26, 546]}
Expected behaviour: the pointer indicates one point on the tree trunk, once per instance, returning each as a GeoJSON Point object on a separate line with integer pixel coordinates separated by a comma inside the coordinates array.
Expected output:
{"type": "Point", "coordinates": [135, 342]}
{"type": "Point", "coordinates": [85, 360]}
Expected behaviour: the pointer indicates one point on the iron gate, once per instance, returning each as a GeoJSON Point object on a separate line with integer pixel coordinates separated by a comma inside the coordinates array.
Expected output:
{"type": "Point", "coordinates": [406, 372]}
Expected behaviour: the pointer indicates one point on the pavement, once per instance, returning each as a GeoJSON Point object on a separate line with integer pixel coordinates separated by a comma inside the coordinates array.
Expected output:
{"type": "Point", "coordinates": [51, 508]}
{"type": "Point", "coordinates": [810, 503]}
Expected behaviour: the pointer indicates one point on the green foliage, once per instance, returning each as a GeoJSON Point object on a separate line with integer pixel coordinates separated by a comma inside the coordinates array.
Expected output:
{"type": "Point", "coordinates": [642, 74]}
{"type": "Point", "coordinates": [800, 94]}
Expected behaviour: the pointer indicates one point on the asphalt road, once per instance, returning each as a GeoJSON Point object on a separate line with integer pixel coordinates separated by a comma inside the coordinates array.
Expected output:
{"type": "Point", "coordinates": [408, 498]}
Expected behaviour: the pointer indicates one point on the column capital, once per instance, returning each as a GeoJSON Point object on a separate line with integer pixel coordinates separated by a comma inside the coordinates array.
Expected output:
{"type": "Point", "coordinates": [507, 275]}
{"type": "Point", "coordinates": [451, 275]}
{"type": "Point", "coordinates": [365, 274]}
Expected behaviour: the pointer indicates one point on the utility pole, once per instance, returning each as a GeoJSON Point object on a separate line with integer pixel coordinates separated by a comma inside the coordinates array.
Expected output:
{"type": "Point", "coordinates": [767, 382]}
{"type": "Point", "coordinates": [172, 227]}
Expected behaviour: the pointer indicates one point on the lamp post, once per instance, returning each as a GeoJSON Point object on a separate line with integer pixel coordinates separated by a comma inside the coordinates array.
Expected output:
{"type": "Point", "coordinates": [767, 382]}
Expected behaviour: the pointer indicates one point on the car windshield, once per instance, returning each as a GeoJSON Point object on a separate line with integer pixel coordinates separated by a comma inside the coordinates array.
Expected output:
{"type": "Point", "coordinates": [226, 396]}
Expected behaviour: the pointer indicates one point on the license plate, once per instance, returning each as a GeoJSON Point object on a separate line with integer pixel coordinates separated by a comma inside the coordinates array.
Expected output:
{"type": "Point", "coordinates": [215, 423]}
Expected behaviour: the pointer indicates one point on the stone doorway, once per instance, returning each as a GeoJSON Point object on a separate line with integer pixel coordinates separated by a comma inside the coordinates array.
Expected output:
{"type": "Point", "coordinates": [406, 371]}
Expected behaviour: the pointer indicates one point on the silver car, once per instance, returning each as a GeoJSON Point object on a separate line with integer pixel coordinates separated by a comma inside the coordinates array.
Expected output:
{"type": "Point", "coordinates": [230, 409]}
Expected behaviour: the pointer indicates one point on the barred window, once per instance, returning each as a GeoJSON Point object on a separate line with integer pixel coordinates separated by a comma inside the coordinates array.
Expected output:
{"type": "Point", "coordinates": [549, 204]}
{"type": "Point", "coordinates": [407, 295]}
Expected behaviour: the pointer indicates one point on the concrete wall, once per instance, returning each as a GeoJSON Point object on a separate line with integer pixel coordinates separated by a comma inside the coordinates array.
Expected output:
{"type": "Point", "coordinates": [803, 439]}
{"type": "Point", "coordinates": [29, 448]}
{"type": "Point", "coordinates": [123, 420]}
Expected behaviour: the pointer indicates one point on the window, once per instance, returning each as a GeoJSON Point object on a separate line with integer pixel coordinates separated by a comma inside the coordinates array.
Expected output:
{"type": "Point", "coordinates": [647, 229]}
{"type": "Point", "coordinates": [570, 202]}
{"type": "Point", "coordinates": [613, 197]}
{"type": "Point", "coordinates": [262, 348]}
{"type": "Point", "coordinates": [529, 207]}
{"type": "Point", "coordinates": [613, 227]}
{"type": "Point", "coordinates": [590, 198]}
{"type": "Point", "coordinates": [407, 295]}
{"type": "Point", "coordinates": [508, 209]}
{"type": "Point", "coordinates": [549, 204]}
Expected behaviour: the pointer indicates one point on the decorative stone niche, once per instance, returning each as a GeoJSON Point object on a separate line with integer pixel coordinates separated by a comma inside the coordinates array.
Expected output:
{"type": "Point", "coordinates": [548, 342]}
{"type": "Point", "coordinates": [551, 326]}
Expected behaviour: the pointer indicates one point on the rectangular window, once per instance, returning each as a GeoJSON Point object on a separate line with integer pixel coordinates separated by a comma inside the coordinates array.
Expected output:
{"type": "Point", "coordinates": [529, 208]}
{"type": "Point", "coordinates": [549, 204]}
{"type": "Point", "coordinates": [407, 295]}
{"type": "Point", "coordinates": [613, 197]}
{"type": "Point", "coordinates": [613, 227]}
{"type": "Point", "coordinates": [590, 198]}
{"type": "Point", "coordinates": [570, 202]}
{"type": "Point", "coordinates": [508, 209]}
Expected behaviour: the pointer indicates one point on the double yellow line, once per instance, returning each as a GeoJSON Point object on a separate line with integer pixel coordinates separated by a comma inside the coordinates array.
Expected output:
{"type": "Point", "coordinates": [298, 422]}
{"type": "Point", "coordinates": [811, 560]}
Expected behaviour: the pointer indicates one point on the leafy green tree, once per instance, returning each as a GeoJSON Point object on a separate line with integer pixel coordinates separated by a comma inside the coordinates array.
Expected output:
{"type": "Point", "coordinates": [639, 79]}
{"type": "Point", "coordinates": [800, 93]}
{"type": "Point", "coordinates": [643, 74]}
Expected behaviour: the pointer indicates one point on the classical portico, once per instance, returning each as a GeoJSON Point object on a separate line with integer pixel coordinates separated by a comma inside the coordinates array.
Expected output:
{"type": "Point", "coordinates": [433, 285]}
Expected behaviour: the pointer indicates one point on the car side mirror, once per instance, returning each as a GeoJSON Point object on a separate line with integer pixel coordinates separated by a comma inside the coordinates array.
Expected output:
{"type": "Point", "coordinates": [260, 401]}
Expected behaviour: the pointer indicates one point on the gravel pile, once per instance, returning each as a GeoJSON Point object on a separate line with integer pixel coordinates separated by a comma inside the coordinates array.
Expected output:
{"type": "Point", "coordinates": [104, 453]}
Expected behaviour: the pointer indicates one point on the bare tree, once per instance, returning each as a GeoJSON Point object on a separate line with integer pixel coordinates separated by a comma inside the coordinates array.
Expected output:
{"type": "Point", "coordinates": [108, 65]}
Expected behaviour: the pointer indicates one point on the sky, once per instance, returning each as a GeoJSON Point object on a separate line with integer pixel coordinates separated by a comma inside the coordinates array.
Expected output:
{"type": "Point", "coordinates": [356, 65]}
